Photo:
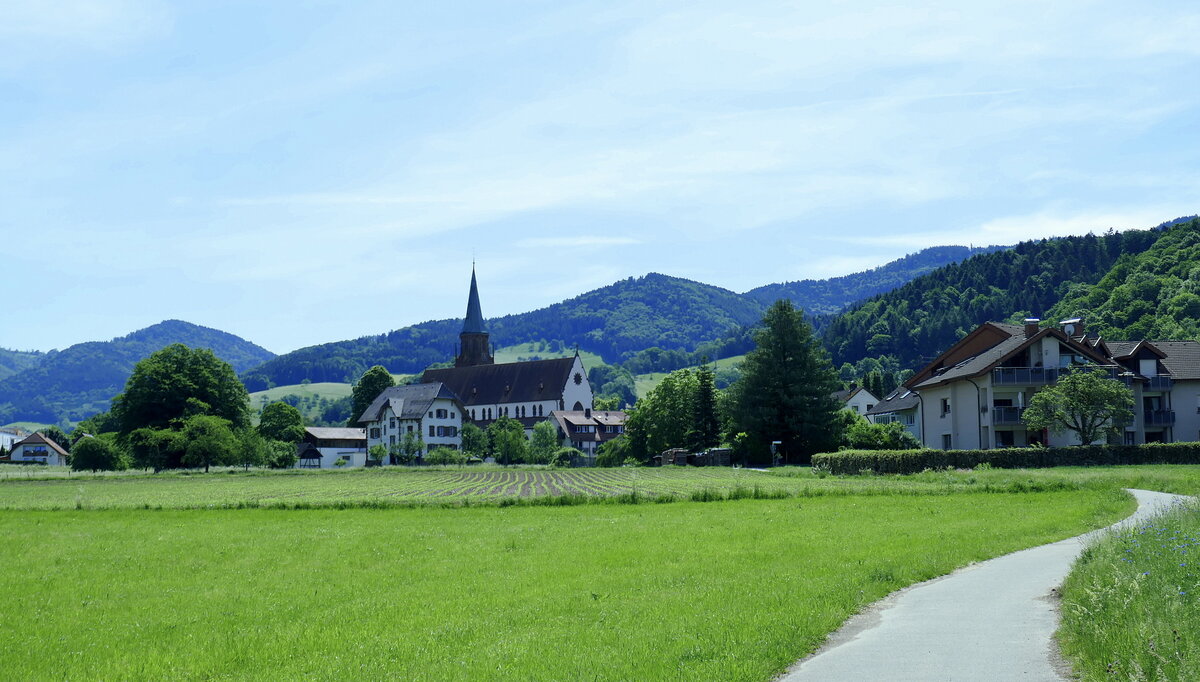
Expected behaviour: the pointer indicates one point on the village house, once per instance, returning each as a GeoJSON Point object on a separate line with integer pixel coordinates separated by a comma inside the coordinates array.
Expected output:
{"type": "Point", "coordinates": [525, 391]}
{"type": "Point", "coordinates": [586, 430]}
{"type": "Point", "coordinates": [323, 446]}
{"type": "Point", "coordinates": [429, 411]}
{"type": "Point", "coordinates": [9, 436]}
{"type": "Point", "coordinates": [857, 399]}
{"type": "Point", "coordinates": [39, 449]}
{"type": "Point", "coordinates": [974, 394]}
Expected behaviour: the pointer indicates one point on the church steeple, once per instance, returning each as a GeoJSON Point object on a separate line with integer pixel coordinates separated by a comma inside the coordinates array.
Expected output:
{"type": "Point", "coordinates": [474, 348]}
{"type": "Point", "coordinates": [473, 323]}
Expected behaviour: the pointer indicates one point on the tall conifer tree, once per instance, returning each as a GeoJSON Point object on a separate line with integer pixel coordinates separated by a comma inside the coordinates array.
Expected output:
{"type": "Point", "coordinates": [785, 390]}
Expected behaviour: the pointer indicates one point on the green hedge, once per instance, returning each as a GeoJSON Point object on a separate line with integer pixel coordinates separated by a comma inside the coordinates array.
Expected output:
{"type": "Point", "coordinates": [914, 461]}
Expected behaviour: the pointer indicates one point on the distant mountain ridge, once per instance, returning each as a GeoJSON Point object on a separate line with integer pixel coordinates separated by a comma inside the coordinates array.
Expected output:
{"type": "Point", "coordinates": [78, 381]}
{"type": "Point", "coordinates": [830, 296]}
{"type": "Point", "coordinates": [634, 314]}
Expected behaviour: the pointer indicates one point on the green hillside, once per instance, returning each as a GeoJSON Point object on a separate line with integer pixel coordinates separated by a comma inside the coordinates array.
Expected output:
{"type": "Point", "coordinates": [725, 368]}
{"type": "Point", "coordinates": [1154, 294]}
{"type": "Point", "coordinates": [918, 320]}
{"type": "Point", "coordinates": [74, 383]}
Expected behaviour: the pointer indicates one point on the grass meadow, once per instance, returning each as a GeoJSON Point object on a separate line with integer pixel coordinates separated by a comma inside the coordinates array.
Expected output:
{"type": "Point", "coordinates": [1131, 606]}
{"type": "Point", "coordinates": [732, 590]}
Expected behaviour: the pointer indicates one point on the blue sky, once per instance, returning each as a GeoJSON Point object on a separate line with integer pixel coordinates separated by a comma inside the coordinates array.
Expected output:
{"type": "Point", "coordinates": [300, 172]}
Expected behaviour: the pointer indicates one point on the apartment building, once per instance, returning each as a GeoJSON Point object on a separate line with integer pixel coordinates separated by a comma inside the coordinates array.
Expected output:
{"type": "Point", "coordinates": [974, 394]}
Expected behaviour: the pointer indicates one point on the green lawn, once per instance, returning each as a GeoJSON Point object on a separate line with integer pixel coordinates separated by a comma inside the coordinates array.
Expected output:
{"type": "Point", "coordinates": [733, 590]}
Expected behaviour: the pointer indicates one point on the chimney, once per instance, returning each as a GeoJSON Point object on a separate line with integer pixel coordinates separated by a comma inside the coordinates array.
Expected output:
{"type": "Point", "coordinates": [1031, 326]}
{"type": "Point", "coordinates": [587, 413]}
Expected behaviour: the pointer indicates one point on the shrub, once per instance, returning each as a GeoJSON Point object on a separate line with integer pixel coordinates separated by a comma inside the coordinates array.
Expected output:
{"type": "Point", "coordinates": [915, 461]}
{"type": "Point", "coordinates": [443, 456]}
{"type": "Point", "coordinates": [562, 457]}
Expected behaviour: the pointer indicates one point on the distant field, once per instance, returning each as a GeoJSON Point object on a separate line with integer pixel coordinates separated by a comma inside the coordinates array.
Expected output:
{"type": "Point", "coordinates": [689, 591]}
{"type": "Point", "coordinates": [644, 383]}
{"type": "Point", "coordinates": [28, 426]}
{"type": "Point", "coordinates": [58, 488]}
{"type": "Point", "coordinates": [529, 350]}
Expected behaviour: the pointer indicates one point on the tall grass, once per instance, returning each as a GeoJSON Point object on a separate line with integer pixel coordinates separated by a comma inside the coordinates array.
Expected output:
{"type": "Point", "coordinates": [1131, 606]}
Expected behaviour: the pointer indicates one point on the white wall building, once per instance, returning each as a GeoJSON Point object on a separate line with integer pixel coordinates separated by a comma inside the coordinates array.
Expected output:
{"type": "Point", "coordinates": [430, 411]}
{"type": "Point", "coordinates": [38, 448]}
{"type": "Point", "coordinates": [323, 446]}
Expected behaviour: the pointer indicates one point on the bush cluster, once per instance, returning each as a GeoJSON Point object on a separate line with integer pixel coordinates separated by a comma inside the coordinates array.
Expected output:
{"type": "Point", "coordinates": [915, 461]}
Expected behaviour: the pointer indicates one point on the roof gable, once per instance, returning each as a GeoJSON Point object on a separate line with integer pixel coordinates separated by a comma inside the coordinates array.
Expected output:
{"type": "Point", "coordinates": [511, 382]}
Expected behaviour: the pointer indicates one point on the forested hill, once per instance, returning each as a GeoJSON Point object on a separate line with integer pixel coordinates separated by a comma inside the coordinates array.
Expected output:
{"type": "Point", "coordinates": [628, 316]}
{"type": "Point", "coordinates": [830, 296]}
{"type": "Point", "coordinates": [13, 361]}
{"type": "Point", "coordinates": [79, 381]}
{"type": "Point", "coordinates": [1154, 294]}
{"type": "Point", "coordinates": [925, 316]}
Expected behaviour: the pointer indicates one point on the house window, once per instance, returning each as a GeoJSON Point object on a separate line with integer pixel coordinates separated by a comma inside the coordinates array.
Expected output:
{"type": "Point", "coordinates": [392, 440]}
{"type": "Point", "coordinates": [432, 431]}
{"type": "Point", "coordinates": [869, 406]}
{"type": "Point", "coordinates": [392, 423]}
{"type": "Point", "coordinates": [410, 428]}
{"type": "Point", "coordinates": [441, 414]}
{"type": "Point", "coordinates": [947, 443]}
{"type": "Point", "coordinates": [375, 433]}
{"type": "Point", "coordinates": [453, 416]}
{"type": "Point", "coordinates": [441, 432]}
{"type": "Point", "coordinates": [945, 406]}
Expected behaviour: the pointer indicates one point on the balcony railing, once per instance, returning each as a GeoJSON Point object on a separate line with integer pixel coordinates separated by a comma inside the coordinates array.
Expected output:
{"type": "Point", "coordinates": [1160, 382]}
{"type": "Point", "coordinates": [1041, 376]}
{"type": "Point", "coordinates": [1159, 417]}
{"type": "Point", "coordinates": [1002, 416]}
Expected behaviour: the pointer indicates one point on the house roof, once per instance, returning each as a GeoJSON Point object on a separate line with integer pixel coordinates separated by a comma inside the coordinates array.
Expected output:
{"type": "Point", "coordinates": [308, 451]}
{"type": "Point", "coordinates": [1010, 339]}
{"type": "Point", "coordinates": [473, 322]}
{"type": "Point", "coordinates": [408, 402]}
{"type": "Point", "coordinates": [899, 399]}
{"type": "Point", "coordinates": [39, 439]}
{"type": "Point", "coordinates": [1182, 359]}
{"type": "Point", "coordinates": [336, 433]}
{"type": "Point", "coordinates": [845, 394]}
{"type": "Point", "coordinates": [511, 382]}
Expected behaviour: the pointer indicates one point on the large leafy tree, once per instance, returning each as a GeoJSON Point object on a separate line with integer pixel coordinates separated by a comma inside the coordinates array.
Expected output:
{"type": "Point", "coordinates": [283, 422]}
{"type": "Point", "coordinates": [209, 441]}
{"type": "Point", "coordinates": [543, 442]}
{"type": "Point", "coordinates": [176, 383]}
{"type": "Point", "coordinates": [664, 419]}
{"type": "Point", "coordinates": [97, 454]}
{"type": "Point", "coordinates": [1088, 404]}
{"type": "Point", "coordinates": [785, 390]}
{"type": "Point", "coordinates": [368, 387]}
{"type": "Point", "coordinates": [507, 438]}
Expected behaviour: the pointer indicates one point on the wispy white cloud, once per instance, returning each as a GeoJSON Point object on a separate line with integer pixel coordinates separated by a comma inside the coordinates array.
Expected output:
{"type": "Point", "coordinates": [576, 241]}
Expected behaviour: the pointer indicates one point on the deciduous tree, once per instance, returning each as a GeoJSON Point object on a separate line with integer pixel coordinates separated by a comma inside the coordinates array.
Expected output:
{"type": "Point", "coordinates": [368, 387]}
{"type": "Point", "coordinates": [178, 382]}
{"type": "Point", "coordinates": [1086, 403]}
{"type": "Point", "coordinates": [280, 421]}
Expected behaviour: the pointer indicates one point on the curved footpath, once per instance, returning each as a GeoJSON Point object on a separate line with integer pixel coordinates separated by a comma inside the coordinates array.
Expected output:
{"type": "Point", "coordinates": [989, 621]}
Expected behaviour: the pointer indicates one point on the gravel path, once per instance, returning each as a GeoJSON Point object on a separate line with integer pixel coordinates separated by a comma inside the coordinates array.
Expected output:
{"type": "Point", "coordinates": [990, 621]}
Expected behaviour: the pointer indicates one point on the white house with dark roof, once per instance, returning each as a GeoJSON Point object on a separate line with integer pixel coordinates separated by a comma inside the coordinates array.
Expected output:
{"type": "Point", "coordinates": [40, 449]}
{"type": "Point", "coordinates": [525, 391]}
{"type": "Point", "coordinates": [429, 410]}
{"type": "Point", "coordinates": [974, 394]}
{"type": "Point", "coordinates": [857, 399]}
{"type": "Point", "coordinates": [322, 446]}
{"type": "Point", "coordinates": [586, 430]}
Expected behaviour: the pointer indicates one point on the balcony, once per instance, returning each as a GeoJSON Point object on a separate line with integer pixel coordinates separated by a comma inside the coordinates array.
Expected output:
{"type": "Point", "coordinates": [1024, 376]}
{"type": "Point", "coordinates": [1159, 417]}
{"type": "Point", "coordinates": [1042, 376]}
{"type": "Point", "coordinates": [1007, 416]}
{"type": "Point", "coordinates": [1160, 382]}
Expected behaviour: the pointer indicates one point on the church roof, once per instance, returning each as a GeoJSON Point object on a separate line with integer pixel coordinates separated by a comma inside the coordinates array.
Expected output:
{"type": "Point", "coordinates": [473, 322]}
{"type": "Point", "coordinates": [408, 402]}
{"type": "Point", "coordinates": [511, 382]}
